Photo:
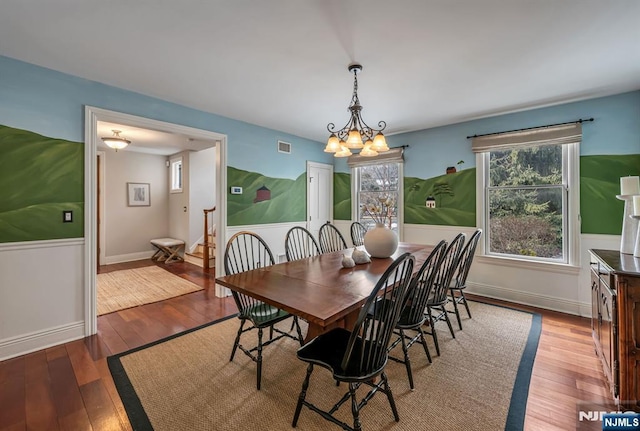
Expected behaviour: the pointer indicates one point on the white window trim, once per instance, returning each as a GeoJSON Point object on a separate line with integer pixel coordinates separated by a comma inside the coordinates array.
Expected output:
{"type": "Point", "coordinates": [572, 172]}
{"type": "Point", "coordinates": [355, 202]}
{"type": "Point", "coordinates": [171, 162]}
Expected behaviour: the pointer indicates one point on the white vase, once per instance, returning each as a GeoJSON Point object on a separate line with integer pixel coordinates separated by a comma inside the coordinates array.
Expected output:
{"type": "Point", "coordinates": [380, 241]}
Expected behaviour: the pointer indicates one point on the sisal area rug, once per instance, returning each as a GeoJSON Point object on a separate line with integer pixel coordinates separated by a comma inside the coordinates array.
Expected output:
{"type": "Point", "coordinates": [118, 290]}
{"type": "Point", "coordinates": [186, 382]}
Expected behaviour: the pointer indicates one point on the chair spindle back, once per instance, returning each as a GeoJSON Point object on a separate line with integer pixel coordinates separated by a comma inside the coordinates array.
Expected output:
{"type": "Point", "coordinates": [367, 346]}
{"type": "Point", "coordinates": [300, 244]}
{"type": "Point", "coordinates": [331, 239]}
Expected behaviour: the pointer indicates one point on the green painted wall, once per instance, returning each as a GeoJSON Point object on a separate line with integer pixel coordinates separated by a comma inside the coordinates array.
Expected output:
{"type": "Point", "coordinates": [455, 205]}
{"type": "Point", "coordinates": [455, 196]}
{"type": "Point", "coordinates": [41, 177]}
{"type": "Point", "coordinates": [341, 196]}
{"type": "Point", "coordinates": [600, 210]}
{"type": "Point", "coordinates": [287, 203]}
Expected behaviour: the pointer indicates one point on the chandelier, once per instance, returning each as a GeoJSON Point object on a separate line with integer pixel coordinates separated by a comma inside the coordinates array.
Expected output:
{"type": "Point", "coordinates": [116, 141]}
{"type": "Point", "coordinates": [356, 134]}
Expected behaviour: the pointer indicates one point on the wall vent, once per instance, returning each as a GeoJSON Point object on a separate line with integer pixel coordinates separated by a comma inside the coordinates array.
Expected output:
{"type": "Point", "coordinates": [282, 258]}
{"type": "Point", "coordinates": [284, 147]}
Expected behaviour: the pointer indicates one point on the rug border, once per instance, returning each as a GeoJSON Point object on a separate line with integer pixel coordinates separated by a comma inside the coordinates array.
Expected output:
{"type": "Point", "coordinates": [520, 394]}
{"type": "Point", "coordinates": [130, 401]}
{"type": "Point", "coordinates": [515, 415]}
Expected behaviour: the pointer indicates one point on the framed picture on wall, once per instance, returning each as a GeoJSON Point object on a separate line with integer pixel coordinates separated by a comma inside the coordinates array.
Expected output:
{"type": "Point", "coordinates": [138, 195]}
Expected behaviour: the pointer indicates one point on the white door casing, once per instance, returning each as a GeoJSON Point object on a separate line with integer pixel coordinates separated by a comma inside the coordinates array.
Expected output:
{"type": "Point", "coordinates": [92, 116]}
{"type": "Point", "coordinates": [319, 196]}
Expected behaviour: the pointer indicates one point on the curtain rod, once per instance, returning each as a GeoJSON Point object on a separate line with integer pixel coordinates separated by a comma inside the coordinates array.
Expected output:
{"type": "Point", "coordinates": [531, 128]}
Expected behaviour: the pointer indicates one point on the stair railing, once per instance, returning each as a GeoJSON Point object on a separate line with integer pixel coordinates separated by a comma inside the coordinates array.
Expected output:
{"type": "Point", "coordinates": [207, 244]}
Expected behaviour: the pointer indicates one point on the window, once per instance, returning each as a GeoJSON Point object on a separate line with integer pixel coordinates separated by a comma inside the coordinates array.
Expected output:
{"type": "Point", "coordinates": [529, 194]}
{"type": "Point", "coordinates": [176, 175]}
{"type": "Point", "coordinates": [378, 194]}
{"type": "Point", "coordinates": [377, 188]}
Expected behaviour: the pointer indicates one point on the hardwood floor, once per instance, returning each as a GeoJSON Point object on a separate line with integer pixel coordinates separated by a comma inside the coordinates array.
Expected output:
{"type": "Point", "coordinates": [69, 387]}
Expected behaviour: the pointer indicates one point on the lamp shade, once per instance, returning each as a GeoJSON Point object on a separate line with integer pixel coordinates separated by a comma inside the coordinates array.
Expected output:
{"type": "Point", "coordinates": [354, 140]}
{"type": "Point", "coordinates": [380, 143]}
{"type": "Point", "coordinates": [333, 144]}
{"type": "Point", "coordinates": [368, 151]}
{"type": "Point", "coordinates": [116, 141]}
{"type": "Point", "coordinates": [345, 152]}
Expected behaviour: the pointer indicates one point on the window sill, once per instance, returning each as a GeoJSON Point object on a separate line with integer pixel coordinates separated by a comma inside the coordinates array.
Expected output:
{"type": "Point", "coordinates": [560, 268]}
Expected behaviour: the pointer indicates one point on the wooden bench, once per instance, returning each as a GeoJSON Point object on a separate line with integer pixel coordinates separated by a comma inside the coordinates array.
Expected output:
{"type": "Point", "coordinates": [168, 250]}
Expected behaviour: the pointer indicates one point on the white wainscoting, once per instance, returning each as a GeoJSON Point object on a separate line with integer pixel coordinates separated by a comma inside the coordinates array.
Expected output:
{"type": "Point", "coordinates": [41, 295]}
{"type": "Point", "coordinates": [564, 289]}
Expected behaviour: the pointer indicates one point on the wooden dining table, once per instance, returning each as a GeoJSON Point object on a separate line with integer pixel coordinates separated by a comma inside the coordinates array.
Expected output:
{"type": "Point", "coordinates": [318, 289]}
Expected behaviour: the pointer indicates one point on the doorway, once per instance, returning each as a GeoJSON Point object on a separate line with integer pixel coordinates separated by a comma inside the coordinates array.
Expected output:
{"type": "Point", "coordinates": [92, 117]}
{"type": "Point", "coordinates": [319, 196]}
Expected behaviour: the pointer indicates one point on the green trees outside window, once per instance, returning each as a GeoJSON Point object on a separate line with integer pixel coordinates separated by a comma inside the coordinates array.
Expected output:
{"type": "Point", "coordinates": [527, 202]}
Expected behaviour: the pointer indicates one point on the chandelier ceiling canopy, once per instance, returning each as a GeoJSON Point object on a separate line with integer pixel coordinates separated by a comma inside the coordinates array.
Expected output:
{"type": "Point", "coordinates": [356, 134]}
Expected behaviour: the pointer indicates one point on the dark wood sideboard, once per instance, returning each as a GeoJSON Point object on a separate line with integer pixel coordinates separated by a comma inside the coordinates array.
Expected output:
{"type": "Point", "coordinates": [615, 322]}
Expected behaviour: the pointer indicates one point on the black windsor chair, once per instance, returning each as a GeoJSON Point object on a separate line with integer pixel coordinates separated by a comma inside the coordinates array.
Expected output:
{"type": "Point", "coordinates": [299, 244]}
{"type": "Point", "coordinates": [413, 315]}
{"type": "Point", "coordinates": [246, 251]}
{"type": "Point", "coordinates": [459, 283]}
{"type": "Point", "coordinates": [359, 356]}
{"type": "Point", "coordinates": [331, 239]}
{"type": "Point", "coordinates": [436, 305]}
{"type": "Point", "coordinates": [357, 233]}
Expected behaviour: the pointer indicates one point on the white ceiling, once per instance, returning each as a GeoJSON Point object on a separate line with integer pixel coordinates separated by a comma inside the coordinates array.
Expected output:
{"type": "Point", "coordinates": [283, 63]}
{"type": "Point", "coordinates": [151, 141]}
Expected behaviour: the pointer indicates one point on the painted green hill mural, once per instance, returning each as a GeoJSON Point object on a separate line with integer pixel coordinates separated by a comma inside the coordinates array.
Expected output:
{"type": "Point", "coordinates": [265, 199]}
{"type": "Point", "coordinates": [41, 177]}
{"type": "Point", "coordinates": [341, 196]}
{"type": "Point", "coordinates": [454, 198]}
{"type": "Point", "coordinates": [601, 212]}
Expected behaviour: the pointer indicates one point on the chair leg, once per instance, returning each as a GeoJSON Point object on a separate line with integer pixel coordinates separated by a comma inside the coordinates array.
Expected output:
{"type": "Point", "coordinates": [464, 301]}
{"type": "Point", "coordinates": [424, 344]}
{"type": "Point", "coordinates": [235, 344]}
{"type": "Point", "coordinates": [454, 299]}
{"type": "Point", "coordinates": [407, 361]}
{"type": "Point", "coordinates": [303, 395]}
{"type": "Point", "coordinates": [387, 390]}
{"type": "Point", "coordinates": [434, 334]}
{"type": "Point", "coordinates": [446, 318]}
{"type": "Point", "coordinates": [259, 359]}
{"type": "Point", "coordinates": [357, 426]}
{"type": "Point", "coordinates": [296, 322]}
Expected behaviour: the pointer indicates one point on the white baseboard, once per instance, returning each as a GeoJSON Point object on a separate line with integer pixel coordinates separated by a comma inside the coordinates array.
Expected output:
{"type": "Point", "coordinates": [21, 345]}
{"type": "Point", "coordinates": [128, 257]}
{"type": "Point", "coordinates": [532, 299]}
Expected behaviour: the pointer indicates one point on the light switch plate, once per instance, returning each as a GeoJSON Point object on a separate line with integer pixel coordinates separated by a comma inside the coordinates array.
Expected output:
{"type": "Point", "coordinates": [67, 216]}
